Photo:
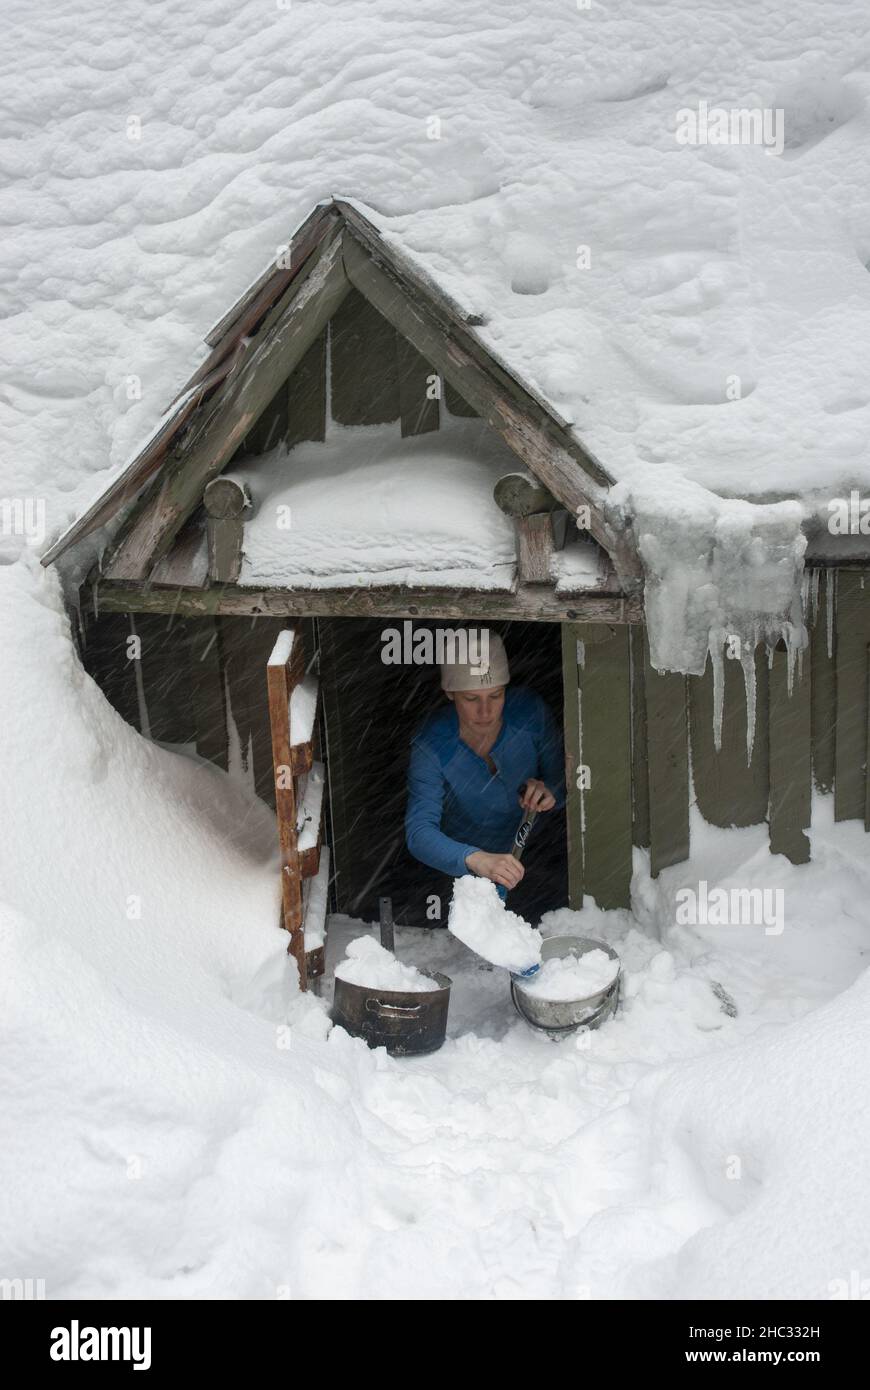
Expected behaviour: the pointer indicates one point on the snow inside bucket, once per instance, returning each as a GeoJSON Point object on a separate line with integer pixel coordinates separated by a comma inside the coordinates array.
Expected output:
{"type": "Point", "coordinates": [550, 1000]}
{"type": "Point", "coordinates": [389, 1004]}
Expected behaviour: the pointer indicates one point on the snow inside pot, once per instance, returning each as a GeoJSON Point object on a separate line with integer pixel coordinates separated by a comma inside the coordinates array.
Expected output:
{"type": "Point", "coordinates": [576, 987]}
{"type": "Point", "coordinates": [390, 1004]}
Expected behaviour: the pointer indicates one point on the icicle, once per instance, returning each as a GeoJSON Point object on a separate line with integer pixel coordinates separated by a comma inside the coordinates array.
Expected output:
{"type": "Point", "coordinates": [829, 604]}
{"type": "Point", "coordinates": [718, 688]}
{"type": "Point", "coordinates": [806, 592]}
{"type": "Point", "coordinates": [815, 583]}
{"type": "Point", "coordinates": [791, 649]}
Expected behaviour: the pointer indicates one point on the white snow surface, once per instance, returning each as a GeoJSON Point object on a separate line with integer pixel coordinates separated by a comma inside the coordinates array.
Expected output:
{"type": "Point", "coordinates": [368, 963]}
{"type": "Point", "coordinates": [478, 918]}
{"type": "Point", "coordinates": [707, 344]}
{"type": "Point", "coordinates": [179, 1121]}
{"type": "Point", "coordinates": [571, 977]}
{"type": "Point", "coordinates": [368, 507]}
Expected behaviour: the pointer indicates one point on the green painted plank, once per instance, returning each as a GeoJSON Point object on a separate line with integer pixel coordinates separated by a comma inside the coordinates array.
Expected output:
{"type": "Point", "coordinates": [605, 725]}
{"type": "Point", "coordinates": [420, 414]}
{"type": "Point", "coordinates": [790, 759]}
{"type": "Point", "coordinates": [165, 677]}
{"type": "Point", "coordinates": [364, 371]}
{"type": "Point", "coordinates": [574, 796]}
{"type": "Point", "coordinates": [206, 665]}
{"type": "Point", "coordinates": [106, 659]}
{"type": "Point", "coordinates": [639, 761]}
{"type": "Point", "coordinates": [823, 688]}
{"type": "Point", "coordinates": [247, 644]}
{"type": "Point", "coordinates": [850, 734]}
{"type": "Point", "coordinates": [729, 792]}
{"type": "Point", "coordinates": [668, 763]}
{"type": "Point", "coordinates": [306, 396]}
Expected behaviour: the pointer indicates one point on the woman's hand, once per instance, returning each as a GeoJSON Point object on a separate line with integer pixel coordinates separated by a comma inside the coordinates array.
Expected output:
{"type": "Point", "coordinates": [536, 797]}
{"type": "Point", "coordinates": [501, 868]}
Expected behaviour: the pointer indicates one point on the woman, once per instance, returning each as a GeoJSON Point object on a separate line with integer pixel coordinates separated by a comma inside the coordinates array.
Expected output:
{"type": "Point", "coordinates": [493, 751]}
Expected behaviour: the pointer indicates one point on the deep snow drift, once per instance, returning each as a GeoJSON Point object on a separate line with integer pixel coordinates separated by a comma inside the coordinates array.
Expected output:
{"type": "Point", "coordinates": [181, 1123]}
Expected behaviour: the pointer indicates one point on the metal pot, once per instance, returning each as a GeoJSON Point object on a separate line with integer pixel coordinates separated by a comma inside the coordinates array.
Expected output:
{"type": "Point", "coordinates": [407, 1023]}
{"type": "Point", "coordinates": [560, 1016]}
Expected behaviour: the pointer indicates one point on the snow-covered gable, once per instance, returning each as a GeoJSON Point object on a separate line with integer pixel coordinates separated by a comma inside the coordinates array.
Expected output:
{"type": "Point", "coordinates": [357, 506]}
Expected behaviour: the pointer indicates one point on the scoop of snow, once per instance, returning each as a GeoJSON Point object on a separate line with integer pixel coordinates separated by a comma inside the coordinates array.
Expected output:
{"type": "Point", "coordinates": [479, 918]}
{"type": "Point", "coordinates": [368, 963]}
{"type": "Point", "coordinates": [571, 977]}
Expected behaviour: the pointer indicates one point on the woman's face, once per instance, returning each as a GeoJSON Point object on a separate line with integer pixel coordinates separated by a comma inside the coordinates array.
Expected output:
{"type": "Point", "coordinates": [479, 709]}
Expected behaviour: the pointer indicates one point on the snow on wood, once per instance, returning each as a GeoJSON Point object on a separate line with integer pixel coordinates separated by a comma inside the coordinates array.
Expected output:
{"type": "Point", "coordinates": [303, 707]}
{"type": "Point", "coordinates": [283, 647]}
{"type": "Point", "coordinates": [310, 805]}
{"type": "Point", "coordinates": [316, 897]}
{"type": "Point", "coordinates": [368, 507]}
{"type": "Point", "coordinates": [582, 566]}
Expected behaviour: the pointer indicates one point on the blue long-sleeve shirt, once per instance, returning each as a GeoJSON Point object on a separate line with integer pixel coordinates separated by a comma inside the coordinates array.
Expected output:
{"type": "Point", "coordinates": [455, 804]}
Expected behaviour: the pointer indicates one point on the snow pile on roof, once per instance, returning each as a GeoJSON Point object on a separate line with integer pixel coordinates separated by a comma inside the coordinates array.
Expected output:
{"type": "Point", "coordinates": [699, 312]}
{"type": "Point", "coordinates": [368, 507]}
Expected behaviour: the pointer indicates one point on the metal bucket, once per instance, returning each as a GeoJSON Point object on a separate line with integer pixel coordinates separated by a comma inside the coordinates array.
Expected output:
{"type": "Point", "coordinates": [557, 1017]}
{"type": "Point", "coordinates": [407, 1023]}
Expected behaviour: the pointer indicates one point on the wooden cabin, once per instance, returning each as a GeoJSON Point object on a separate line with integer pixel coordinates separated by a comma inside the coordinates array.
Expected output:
{"type": "Point", "coordinates": [348, 457]}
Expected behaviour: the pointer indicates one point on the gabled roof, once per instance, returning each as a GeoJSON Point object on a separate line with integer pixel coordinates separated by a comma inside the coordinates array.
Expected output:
{"type": "Point", "coordinates": [258, 343]}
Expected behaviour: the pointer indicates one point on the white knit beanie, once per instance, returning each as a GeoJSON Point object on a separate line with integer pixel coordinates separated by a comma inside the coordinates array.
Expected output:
{"type": "Point", "coordinates": [491, 670]}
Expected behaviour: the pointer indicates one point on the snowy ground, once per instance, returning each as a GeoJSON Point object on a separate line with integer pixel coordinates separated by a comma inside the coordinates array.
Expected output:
{"type": "Point", "coordinates": [181, 1123]}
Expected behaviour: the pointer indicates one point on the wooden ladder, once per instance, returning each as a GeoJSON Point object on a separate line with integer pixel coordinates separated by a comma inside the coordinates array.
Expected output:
{"type": "Point", "coordinates": [294, 697]}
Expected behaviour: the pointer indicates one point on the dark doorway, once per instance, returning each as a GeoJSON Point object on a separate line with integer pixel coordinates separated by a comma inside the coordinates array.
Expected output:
{"type": "Point", "coordinates": [371, 711]}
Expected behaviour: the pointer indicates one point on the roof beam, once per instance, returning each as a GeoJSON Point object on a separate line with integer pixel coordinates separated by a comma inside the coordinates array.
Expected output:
{"type": "Point", "coordinates": [546, 447]}
{"type": "Point", "coordinates": [532, 603]}
{"type": "Point", "coordinates": [264, 363]}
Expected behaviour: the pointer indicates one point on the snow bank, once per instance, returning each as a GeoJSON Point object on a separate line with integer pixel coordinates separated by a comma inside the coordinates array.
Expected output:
{"type": "Point", "coordinates": [478, 918]}
{"type": "Point", "coordinates": [368, 963]}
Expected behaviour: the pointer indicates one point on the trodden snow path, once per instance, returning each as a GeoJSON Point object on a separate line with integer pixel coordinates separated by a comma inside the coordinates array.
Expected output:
{"type": "Point", "coordinates": [612, 1163]}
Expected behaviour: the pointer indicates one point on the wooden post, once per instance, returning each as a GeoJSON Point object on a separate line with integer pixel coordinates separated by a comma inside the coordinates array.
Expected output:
{"type": "Point", "coordinates": [639, 754]}
{"type": "Point", "coordinates": [823, 689]}
{"type": "Point", "coordinates": [867, 754]}
{"type": "Point", "coordinates": [668, 762]}
{"type": "Point", "coordinates": [530, 505]}
{"type": "Point", "coordinates": [283, 671]}
{"type": "Point", "coordinates": [225, 501]}
{"type": "Point", "coordinates": [850, 750]}
{"type": "Point", "coordinates": [573, 794]}
{"type": "Point", "coordinates": [605, 733]}
{"type": "Point", "coordinates": [790, 760]}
